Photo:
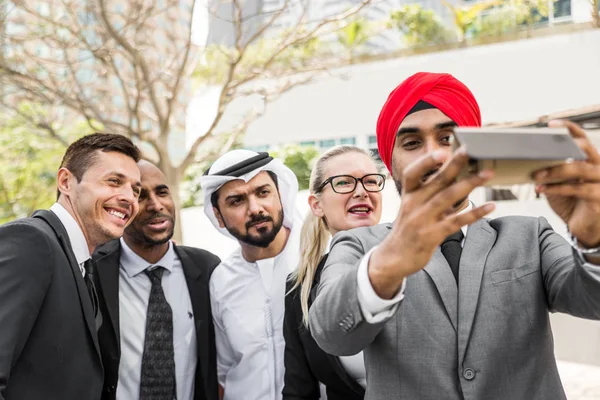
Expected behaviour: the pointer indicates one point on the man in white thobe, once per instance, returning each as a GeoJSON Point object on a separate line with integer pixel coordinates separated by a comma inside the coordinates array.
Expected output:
{"type": "Point", "coordinates": [251, 197]}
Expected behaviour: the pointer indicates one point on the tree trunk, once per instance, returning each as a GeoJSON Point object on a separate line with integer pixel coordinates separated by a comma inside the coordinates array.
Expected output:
{"type": "Point", "coordinates": [173, 176]}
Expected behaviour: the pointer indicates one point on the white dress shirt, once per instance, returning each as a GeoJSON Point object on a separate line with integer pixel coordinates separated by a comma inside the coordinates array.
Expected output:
{"type": "Point", "coordinates": [374, 308]}
{"type": "Point", "coordinates": [247, 301]}
{"type": "Point", "coordinates": [134, 293]}
{"type": "Point", "coordinates": [76, 237]}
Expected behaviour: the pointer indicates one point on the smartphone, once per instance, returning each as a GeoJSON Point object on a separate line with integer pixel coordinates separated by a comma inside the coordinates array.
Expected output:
{"type": "Point", "coordinates": [515, 153]}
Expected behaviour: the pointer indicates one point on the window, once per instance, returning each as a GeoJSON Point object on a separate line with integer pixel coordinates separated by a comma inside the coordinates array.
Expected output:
{"type": "Point", "coordinates": [309, 143]}
{"type": "Point", "coordinates": [562, 8]}
{"type": "Point", "coordinates": [259, 149]}
{"type": "Point", "coordinates": [327, 143]}
{"type": "Point", "coordinates": [372, 141]}
{"type": "Point", "coordinates": [348, 140]}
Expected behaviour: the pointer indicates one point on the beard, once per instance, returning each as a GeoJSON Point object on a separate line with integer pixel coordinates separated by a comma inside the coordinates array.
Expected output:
{"type": "Point", "coordinates": [265, 235]}
{"type": "Point", "coordinates": [398, 183]}
{"type": "Point", "coordinates": [136, 232]}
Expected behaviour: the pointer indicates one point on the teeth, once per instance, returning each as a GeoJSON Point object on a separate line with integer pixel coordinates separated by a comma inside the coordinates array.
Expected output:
{"type": "Point", "coordinates": [117, 214]}
{"type": "Point", "coordinates": [359, 209]}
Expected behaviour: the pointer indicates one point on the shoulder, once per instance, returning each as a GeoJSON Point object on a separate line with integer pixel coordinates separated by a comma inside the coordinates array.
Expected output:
{"type": "Point", "coordinates": [225, 269]}
{"type": "Point", "coordinates": [367, 236]}
{"type": "Point", "coordinates": [518, 223]}
{"type": "Point", "coordinates": [107, 249]}
{"type": "Point", "coordinates": [203, 259]}
{"type": "Point", "coordinates": [27, 232]}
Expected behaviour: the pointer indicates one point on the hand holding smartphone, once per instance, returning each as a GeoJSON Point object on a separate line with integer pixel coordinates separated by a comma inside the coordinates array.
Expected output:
{"type": "Point", "coordinates": [515, 153]}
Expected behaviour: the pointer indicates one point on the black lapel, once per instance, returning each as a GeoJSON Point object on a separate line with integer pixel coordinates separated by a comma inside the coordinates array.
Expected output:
{"type": "Point", "coordinates": [84, 297]}
{"type": "Point", "coordinates": [200, 303]}
{"type": "Point", "coordinates": [107, 261]}
{"type": "Point", "coordinates": [334, 361]}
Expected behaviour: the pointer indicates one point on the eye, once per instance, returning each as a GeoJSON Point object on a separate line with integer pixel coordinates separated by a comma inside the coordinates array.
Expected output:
{"type": "Point", "coordinates": [163, 193]}
{"type": "Point", "coordinates": [343, 182]}
{"type": "Point", "coordinates": [264, 192]}
{"type": "Point", "coordinates": [411, 144]}
{"type": "Point", "coordinates": [114, 181]}
{"type": "Point", "coordinates": [446, 139]}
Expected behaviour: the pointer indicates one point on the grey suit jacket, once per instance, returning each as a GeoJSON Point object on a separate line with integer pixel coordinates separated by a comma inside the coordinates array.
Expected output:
{"type": "Point", "coordinates": [489, 339]}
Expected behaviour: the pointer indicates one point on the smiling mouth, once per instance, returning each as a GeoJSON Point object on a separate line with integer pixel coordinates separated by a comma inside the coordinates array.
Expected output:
{"type": "Point", "coordinates": [360, 210]}
{"type": "Point", "coordinates": [119, 214]}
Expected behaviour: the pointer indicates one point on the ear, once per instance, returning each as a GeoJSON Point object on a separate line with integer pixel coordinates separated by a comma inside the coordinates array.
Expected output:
{"type": "Point", "coordinates": [219, 217]}
{"type": "Point", "coordinates": [65, 181]}
{"type": "Point", "coordinates": [315, 206]}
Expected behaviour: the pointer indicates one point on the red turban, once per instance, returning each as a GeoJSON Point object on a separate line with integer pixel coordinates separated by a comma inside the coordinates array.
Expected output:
{"type": "Point", "coordinates": [443, 91]}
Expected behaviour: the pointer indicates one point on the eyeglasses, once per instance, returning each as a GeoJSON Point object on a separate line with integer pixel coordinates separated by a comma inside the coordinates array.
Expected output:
{"type": "Point", "coordinates": [347, 184]}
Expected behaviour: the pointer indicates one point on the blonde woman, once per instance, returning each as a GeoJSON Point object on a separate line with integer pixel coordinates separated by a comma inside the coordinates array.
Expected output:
{"type": "Point", "coordinates": [345, 193]}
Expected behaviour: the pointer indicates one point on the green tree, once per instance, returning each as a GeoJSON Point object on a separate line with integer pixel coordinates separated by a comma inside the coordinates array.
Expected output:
{"type": "Point", "coordinates": [420, 27]}
{"type": "Point", "coordinates": [29, 164]}
{"type": "Point", "coordinates": [529, 12]}
{"type": "Point", "coordinates": [299, 159]}
{"type": "Point", "coordinates": [130, 67]}
{"type": "Point", "coordinates": [465, 16]}
{"type": "Point", "coordinates": [353, 35]}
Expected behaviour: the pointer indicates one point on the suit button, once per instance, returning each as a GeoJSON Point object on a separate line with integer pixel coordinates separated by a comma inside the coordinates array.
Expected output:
{"type": "Point", "coordinates": [110, 389]}
{"type": "Point", "coordinates": [468, 374]}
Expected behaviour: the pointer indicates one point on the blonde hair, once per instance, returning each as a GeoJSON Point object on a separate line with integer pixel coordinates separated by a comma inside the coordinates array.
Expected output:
{"type": "Point", "coordinates": [314, 234]}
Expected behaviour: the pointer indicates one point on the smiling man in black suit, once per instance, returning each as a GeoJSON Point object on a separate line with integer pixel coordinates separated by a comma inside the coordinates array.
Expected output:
{"type": "Point", "coordinates": [49, 313]}
{"type": "Point", "coordinates": [157, 341]}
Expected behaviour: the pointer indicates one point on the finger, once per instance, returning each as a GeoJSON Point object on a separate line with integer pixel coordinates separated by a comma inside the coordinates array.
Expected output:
{"type": "Point", "coordinates": [439, 204]}
{"type": "Point", "coordinates": [413, 175]}
{"type": "Point", "coordinates": [453, 223]}
{"type": "Point", "coordinates": [583, 191]}
{"type": "Point", "coordinates": [581, 138]}
{"type": "Point", "coordinates": [575, 171]}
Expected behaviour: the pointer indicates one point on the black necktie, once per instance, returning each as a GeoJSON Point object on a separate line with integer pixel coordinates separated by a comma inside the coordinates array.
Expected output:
{"type": "Point", "coordinates": [451, 249]}
{"type": "Point", "coordinates": [158, 361]}
{"type": "Point", "coordinates": [89, 279]}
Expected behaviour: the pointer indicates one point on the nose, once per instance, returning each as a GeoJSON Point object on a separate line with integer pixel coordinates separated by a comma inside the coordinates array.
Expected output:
{"type": "Point", "coordinates": [153, 203]}
{"type": "Point", "coordinates": [254, 206]}
{"type": "Point", "coordinates": [359, 191]}
{"type": "Point", "coordinates": [127, 195]}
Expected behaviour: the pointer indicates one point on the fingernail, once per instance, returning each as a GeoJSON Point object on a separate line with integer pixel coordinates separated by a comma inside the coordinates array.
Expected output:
{"type": "Point", "coordinates": [556, 123]}
{"type": "Point", "coordinates": [541, 174]}
{"type": "Point", "coordinates": [486, 174]}
{"type": "Point", "coordinates": [489, 207]}
{"type": "Point", "coordinates": [439, 155]}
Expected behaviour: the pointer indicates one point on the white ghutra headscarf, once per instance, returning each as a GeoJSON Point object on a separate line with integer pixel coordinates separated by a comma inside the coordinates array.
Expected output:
{"type": "Point", "coordinates": [245, 165]}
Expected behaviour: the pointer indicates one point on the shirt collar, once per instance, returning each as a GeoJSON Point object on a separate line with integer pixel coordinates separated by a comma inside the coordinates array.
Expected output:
{"type": "Point", "coordinates": [134, 264]}
{"type": "Point", "coordinates": [76, 237]}
{"type": "Point", "coordinates": [468, 208]}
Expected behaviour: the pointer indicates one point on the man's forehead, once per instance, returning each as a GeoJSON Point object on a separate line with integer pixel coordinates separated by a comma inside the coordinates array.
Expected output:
{"type": "Point", "coordinates": [425, 119]}
{"type": "Point", "coordinates": [240, 186]}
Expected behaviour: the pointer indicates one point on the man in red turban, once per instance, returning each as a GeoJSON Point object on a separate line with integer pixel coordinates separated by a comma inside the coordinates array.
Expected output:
{"type": "Point", "coordinates": [421, 91]}
{"type": "Point", "coordinates": [446, 304]}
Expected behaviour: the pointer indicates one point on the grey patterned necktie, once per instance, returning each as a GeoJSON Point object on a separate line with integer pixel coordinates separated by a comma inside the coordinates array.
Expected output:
{"type": "Point", "coordinates": [452, 249]}
{"type": "Point", "coordinates": [158, 361]}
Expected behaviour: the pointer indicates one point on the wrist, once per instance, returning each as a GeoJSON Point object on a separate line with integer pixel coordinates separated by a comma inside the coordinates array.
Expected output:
{"type": "Point", "coordinates": [384, 274]}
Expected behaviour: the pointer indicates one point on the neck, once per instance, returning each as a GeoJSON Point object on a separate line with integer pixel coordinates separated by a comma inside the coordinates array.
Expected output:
{"type": "Point", "coordinates": [66, 203]}
{"type": "Point", "coordinates": [254, 253]}
{"type": "Point", "coordinates": [149, 252]}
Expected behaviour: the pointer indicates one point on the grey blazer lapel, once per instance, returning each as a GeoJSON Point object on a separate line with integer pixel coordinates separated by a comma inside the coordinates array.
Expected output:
{"type": "Point", "coordinates": [479, 241]}
{"type": "Point", "coordinates": [441, 274]}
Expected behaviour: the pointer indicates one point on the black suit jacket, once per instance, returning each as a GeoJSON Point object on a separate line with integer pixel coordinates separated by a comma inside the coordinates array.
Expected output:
{"type": "Point", "coordinates": [48, 342]}
{"type": "Point", "coordinates": [305, 363]}
{"type": "Point", "coordinates": [198, 265]}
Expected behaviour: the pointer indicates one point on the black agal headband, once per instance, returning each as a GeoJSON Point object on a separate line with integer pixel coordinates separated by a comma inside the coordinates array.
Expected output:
{"type": "Point", "coordinates": [243, 167]}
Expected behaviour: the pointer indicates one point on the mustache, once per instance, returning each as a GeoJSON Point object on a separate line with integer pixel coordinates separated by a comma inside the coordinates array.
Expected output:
{"type": "Point", "coordinates": [257, 219]}
{"type": "Point", "coordinates": [157, 215]}
{"type": "Point", "coordinates": [429, 173]}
